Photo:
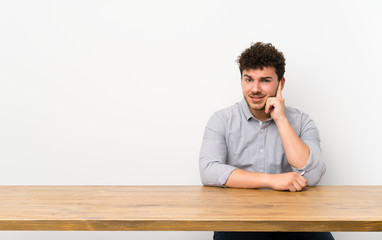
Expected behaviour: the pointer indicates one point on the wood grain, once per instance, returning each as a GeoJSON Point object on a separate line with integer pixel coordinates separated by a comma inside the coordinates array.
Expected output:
{"type": "Point", "coordinates": [189, 208]}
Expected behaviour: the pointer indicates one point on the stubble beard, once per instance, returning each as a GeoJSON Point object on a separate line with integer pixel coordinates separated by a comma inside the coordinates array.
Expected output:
{"type": "Point", "coordinates": [255, 107]}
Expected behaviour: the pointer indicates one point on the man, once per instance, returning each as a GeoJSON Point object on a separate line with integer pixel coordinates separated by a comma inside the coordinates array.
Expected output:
{"type": "Point", "coordinates": [259, 142]}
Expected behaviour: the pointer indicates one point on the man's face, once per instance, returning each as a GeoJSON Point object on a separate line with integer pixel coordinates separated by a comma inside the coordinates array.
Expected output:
{"type": "Point", "coordinates": [258, 85]}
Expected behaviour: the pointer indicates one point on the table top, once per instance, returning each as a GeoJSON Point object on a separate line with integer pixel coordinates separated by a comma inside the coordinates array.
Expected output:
{"type": "Point", "coordinates": [190, 208]}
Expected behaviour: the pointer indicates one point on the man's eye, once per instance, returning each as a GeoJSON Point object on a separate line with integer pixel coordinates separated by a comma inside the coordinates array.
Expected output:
{"type": "Point", "coordinates": [265, 80]}
{"type": "Point", "coordinates": [248, 79]}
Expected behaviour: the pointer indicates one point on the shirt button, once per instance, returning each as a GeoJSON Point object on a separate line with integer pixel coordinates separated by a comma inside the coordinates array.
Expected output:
{"type": "Point", "coordinates": [261, 150]}
{"type": "Point", "coordinates": [262, 130]}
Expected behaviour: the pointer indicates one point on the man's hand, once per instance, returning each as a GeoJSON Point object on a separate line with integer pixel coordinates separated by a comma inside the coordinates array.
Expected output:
{"type": "Point", "coordinates": [291, 181]}
{"type": "Point", "coordinates": [276, 105]}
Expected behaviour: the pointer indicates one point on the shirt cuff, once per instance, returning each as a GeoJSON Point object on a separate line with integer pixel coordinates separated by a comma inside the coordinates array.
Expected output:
{"type": "Point", "coordinates": [226, 172]}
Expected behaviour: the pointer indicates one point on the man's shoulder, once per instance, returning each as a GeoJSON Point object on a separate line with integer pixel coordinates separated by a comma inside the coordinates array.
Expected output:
{"type": "Point", "coordinates": [227, 115]}
{"type": "Point", "coordinates": [294, 114]}
{"type": "Point", "coordinates": [293, 111]}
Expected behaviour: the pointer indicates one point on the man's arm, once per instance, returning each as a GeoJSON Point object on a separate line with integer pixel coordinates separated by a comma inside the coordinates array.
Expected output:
{"type": "Point", "coordinates": [213, 154]}
{"type": "Point", "coordinates": [303, 152]}
{"type": "Point", "coordinates": [296, 151]}
{"type": "Point", "coordinates": [291, 181]}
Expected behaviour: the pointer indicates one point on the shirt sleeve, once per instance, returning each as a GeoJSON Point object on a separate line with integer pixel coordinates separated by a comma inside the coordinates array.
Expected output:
{"type": "Point", "coordinates": [213, 154]}
{"type": "Point", "coordinates": [315, 167]}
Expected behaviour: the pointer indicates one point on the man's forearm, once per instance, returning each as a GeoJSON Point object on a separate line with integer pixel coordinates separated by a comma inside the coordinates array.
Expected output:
{"type": "Point", "coordinates": [286, 181]}
{"type": "Point", "coordinates": [244, 179]}
{"type": "Point", "coordinates": [297, 152]}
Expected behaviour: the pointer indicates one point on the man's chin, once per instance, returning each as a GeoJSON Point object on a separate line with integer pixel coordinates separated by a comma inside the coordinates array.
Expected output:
{"type": "Point", "coordinates": [255, 107]}
{"type": "Point", "coordinates": [258, 108]}
{"type": "Point", "coordinates": [261, 109]}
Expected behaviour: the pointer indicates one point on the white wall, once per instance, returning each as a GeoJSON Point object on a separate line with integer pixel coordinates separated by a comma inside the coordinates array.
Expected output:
{"type": "Point", "coordinates": [119, 92]}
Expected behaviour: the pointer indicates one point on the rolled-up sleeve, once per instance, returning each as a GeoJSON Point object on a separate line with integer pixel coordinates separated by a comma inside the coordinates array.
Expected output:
{"type": "Point", "coordinates": [315, 167]}
{"type": "Point", "coordinates": [213, 154]}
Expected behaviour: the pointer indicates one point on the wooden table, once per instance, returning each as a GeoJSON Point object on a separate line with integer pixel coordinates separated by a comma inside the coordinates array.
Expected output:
{"type": "Point", "coordinates": [190, 208]}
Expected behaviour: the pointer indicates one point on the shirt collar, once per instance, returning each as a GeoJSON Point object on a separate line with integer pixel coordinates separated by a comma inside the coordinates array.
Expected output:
{"type": "Point", "coordinates": [246, 111]}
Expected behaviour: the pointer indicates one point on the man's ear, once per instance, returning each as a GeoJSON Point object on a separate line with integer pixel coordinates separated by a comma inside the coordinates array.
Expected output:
{"type": "Point", "coordinates": [282, 83]}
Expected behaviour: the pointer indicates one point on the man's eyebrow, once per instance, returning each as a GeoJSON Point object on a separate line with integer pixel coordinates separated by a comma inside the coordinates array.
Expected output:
{"type": "Point", "coordinates": [266, 77]}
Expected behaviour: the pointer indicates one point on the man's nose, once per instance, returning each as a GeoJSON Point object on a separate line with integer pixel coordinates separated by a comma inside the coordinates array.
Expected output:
{"type": "Point", "coordinates": [256, 87]}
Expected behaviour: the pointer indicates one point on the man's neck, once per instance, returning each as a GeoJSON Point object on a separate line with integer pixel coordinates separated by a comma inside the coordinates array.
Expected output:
{"type": "Point", "coordinates": [260, 115]}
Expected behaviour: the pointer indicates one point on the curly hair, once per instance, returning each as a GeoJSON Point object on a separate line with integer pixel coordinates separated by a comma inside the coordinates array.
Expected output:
{"type": "Point", "coordinates": [261, 55]}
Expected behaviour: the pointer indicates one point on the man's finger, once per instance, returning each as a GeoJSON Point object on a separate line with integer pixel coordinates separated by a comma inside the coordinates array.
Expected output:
{"type": "Point", "coordinates": [267, 106]}
{"type": "Point", "coordinates": [301, 182]}
{"type": "Point", "coordinates": [298, 186]}
{"type": "Point", "coordinates": [292, 188]}
{"type": "Point", "coordinates": [279, 95]}
{"type": "Point", "coordinates": [303, 179]}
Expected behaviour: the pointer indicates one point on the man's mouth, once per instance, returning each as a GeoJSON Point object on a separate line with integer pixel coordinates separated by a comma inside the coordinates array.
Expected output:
{"type": "Point", "coordinates": [257, 98]}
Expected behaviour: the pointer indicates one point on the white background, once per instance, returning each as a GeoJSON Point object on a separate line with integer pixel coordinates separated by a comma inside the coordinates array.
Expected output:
{"type": "Point", "coordinates": [119, 92]}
